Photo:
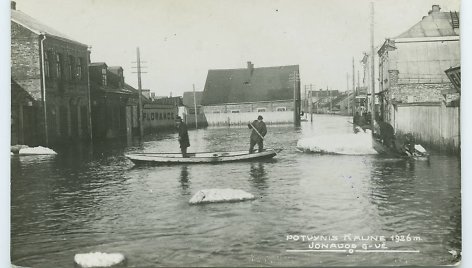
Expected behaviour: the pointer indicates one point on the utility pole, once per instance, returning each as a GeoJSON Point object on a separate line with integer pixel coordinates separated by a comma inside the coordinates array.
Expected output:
{"type": "Point", "coordinates": [140, 98]}
{"type": "Point", "coordinates": [353, 80]}
{"type": "Point", "coordinates": [347, 90]}
{"type": "Point", "coordinates": [311, 103]}
{"type": "Point", "coordinates": [372, 73]}
{"type": "Point", "coordinates": [195, 107]}
{"type": "Point", "coordinates": [295, 77]}
{"type": "Point", "coordinates": [330, 100]}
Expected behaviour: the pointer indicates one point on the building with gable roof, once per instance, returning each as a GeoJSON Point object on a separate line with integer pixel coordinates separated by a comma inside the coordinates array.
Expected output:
{"type": "Point", "coordinates": [52, 69]}
{"type": "Point", "coordinates": [415, 94]}
{"type": "Point", "coordinates": [236, 96]}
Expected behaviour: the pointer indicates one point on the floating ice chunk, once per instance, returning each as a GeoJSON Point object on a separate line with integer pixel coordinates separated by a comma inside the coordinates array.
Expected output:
{"type": "Point", "coordinates": [420, 148]}
{"type": "Point", "coordinates": [16, 266]}
{"type": "Point", "coordinates": [17, 147]}
{"type": "Point", "coordinates": [220, 195]}
{"type": "Point", "coordinates": [350, 144]}
{"type": "Point", "coordinates": [36, 150]}
{"type": "Point", "coordinates": [98, 259]}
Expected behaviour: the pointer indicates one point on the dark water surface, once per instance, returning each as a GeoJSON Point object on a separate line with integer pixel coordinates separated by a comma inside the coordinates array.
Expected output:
{"type": "Point", "coordinates": [85, 200]}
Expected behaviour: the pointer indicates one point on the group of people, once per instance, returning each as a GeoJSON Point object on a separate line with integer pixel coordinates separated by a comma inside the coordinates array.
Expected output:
{"type": "Point", "coordinates": [259, 130]}
{"type": "Point", "coordinates": [404, 144]}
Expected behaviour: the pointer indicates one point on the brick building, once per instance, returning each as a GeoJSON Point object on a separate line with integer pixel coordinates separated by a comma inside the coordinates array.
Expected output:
{"type": "Point", "coordinates": [236, 96]}
{"type": "Point", "coordinates": [412, 65]}
{"type": "Point", "coordinates": [415, 94]}
{"type": "Point", "coordinates": [51, 69]}
{"type": "Point", "coordinates": [114, 103]}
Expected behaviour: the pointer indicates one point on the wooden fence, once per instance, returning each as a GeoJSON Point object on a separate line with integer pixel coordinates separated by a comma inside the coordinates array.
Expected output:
{"type": "Point", "coordinates": [220, 119]}
{"type": "Point", "coordinates": [433, 125]}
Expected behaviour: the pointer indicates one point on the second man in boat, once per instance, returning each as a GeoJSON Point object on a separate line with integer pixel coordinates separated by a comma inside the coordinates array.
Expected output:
{"type": "Point", "coordinates": [259, 130]}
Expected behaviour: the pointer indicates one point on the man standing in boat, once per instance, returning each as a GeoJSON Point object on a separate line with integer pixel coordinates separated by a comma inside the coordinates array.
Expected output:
{"type": "Point", "coordinates": [259, 130]}
{"type": "Point", "coordinates": [183, 135]}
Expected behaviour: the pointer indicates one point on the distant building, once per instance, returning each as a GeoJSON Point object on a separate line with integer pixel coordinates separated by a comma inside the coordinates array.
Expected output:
{"type": "Point", "coordinates": [322, 100]}
{"type": "Point", "coordinates": [236, 96]}
{"type": "Point", "coordinates": [160, 114]}
{"type": "Point", "coordinates": [188, 112]}
{"type": "Point", "coordinates": [50, 70]}
{"type": "Point", "coordinates": [114, 103]}
{"type": "Point", "coordinates": [415, 94]}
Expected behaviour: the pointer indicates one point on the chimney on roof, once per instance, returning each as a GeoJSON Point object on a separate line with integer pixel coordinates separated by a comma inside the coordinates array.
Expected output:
{"type": "Point", "coordinates": [13, 5]}
{"type": "Point", "coordinates": [434, 9]}
{"type": "Point", "coordinates": [250, 67]}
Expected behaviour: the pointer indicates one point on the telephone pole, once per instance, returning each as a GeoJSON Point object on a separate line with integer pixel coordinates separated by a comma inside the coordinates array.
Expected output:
{"type": "Point", "coordinates": [347, 90]}
{"type": "Point", "coordinates": [140, 95]}
{"type": "Point", "coordinates": [353, 80]}
{"type": "Point", "coordinates": [295, 78]}
{"type": "Point", "coordinates": [195, 107]}
{"type": "Point", "coordinates": [372, 73]}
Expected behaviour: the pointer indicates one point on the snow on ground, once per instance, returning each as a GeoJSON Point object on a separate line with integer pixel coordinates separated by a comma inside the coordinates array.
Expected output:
{"type": "Point", "coordinates": [36, 150]}
{"type": "Point", "coordinates": [220, 195]}
{"type": "Point", "coordinates": [98, 259]}
{"type": "Point", "coordinates": [350, 144]}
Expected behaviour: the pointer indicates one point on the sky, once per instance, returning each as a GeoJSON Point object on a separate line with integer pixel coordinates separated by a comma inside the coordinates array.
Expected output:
{"type": "Point", "coordinates": [180, 40]}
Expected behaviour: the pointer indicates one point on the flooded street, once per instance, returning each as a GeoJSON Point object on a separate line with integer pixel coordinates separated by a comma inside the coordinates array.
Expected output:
{"type": "Point", "coordinates": [85, 200]}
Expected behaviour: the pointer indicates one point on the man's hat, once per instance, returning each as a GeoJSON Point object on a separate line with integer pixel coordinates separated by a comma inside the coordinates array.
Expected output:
{"type": "Point", "coordinates": [259, 117]}
{"type": "Point", "coordinates": [178, 118]}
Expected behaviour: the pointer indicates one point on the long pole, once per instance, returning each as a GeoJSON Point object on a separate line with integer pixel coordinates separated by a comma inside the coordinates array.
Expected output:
{"type": "Point", "coordinates": [311, 103]}
{"type": "Point", "coordinates": [140, 100]}
{"type": "Point", "coordinates": [347, 90]}
{"type": "Point", "coordinates": [195, 107]}
{"type": "Point", "coordinates": [372, 73]}
{"type": "Point", "coordinates": [353, 80]}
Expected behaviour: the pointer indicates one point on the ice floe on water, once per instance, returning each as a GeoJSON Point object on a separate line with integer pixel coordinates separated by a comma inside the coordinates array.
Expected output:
{"type": "Point", "coordinates": [350, 144]}
{"type": "Point", "coordinates": [220, 195]}
{"type": "Point", "coordinates": [36, 151]}
{"type": "Point", "coordinates": [99, 259]}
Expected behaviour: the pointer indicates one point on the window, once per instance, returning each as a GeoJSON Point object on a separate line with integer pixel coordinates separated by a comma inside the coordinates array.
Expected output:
{"type": "Point", "coordinates": [165, 116]}
{"type": "Point", "coordinates": [71, 67]}
{"type": "Point", "coordinates": [152, 116]}
{"type": "Point", "coordinates": [104, 77]}
{"type": "Point", "coordinates": [172, 115]}
{"type": "Point", "coordinates": [216, 112]}
{"type": "Point", "coordinates": [47, 69]}
{"type": "Point", "coordinates": [79, 69]}
{"type": "Point", "coordinates": [281, 109]}
{"type": "Point", "coordinates": [261, 110]}
{"type": "Point", "coordinates": [160, 116]}
{"type": "Point", "coordinates": [235, 111]}
{"type": "Point", "coordinates": [58, 66]}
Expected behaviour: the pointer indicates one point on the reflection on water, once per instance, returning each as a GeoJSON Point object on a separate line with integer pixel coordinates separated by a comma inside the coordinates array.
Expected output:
{"type": "Point", "coordinates": [93, 199]}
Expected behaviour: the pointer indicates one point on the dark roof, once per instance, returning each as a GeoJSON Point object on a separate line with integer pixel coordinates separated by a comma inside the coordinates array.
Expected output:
{"type": "Point", "coordinates": [38, 27]}
{"type": "Point", "coordinates": [187, 98]}
{"type": "Point", "coordinates": [436, 24]}
{"type": "Point", "coordinates": [248, 85]}
{"type": "Point", "coordinates": [94, 64]}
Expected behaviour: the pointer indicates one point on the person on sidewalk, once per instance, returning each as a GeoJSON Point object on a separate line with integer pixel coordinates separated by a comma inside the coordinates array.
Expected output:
{"type": "Point", "coordinates": [183, 135]}
{"type": "Point", "coordinates": [259, 130]}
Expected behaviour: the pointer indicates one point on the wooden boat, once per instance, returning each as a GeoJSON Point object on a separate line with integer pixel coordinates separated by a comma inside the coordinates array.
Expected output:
{"type": "Point", "coordinates": [390, 152]}
{"type": "Point", "coordinates": [203, 157]}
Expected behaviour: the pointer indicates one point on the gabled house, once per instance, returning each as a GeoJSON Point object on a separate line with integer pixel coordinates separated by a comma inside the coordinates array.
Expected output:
{"type": "Point", "coordinates": [412, 65]}
{"type": "Point", "coordinates": [415, 94]}
{"type": "Point", "coordinates": [235, 96]}
{"type": "Point", "coordinates": [114, 103]}
{"type": "Point", "coordinates": [51, 68]}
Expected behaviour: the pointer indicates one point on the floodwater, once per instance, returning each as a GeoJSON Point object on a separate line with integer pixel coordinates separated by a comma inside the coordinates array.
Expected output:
{"type": "Point", "coordinates": [85, 200]}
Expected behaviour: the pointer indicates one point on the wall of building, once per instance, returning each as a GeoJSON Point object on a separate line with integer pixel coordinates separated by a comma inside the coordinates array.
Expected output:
{"type": "Point", "coordinates": [67, 100]}
{"type": "Point", "coordinates": [158, 116]}
{"type": "Point", "coordinates": [25, 60]}
{"type": "Point", "coordinates": [274, 112]}
{"type": "Point", "coordinates": [433, 125]}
